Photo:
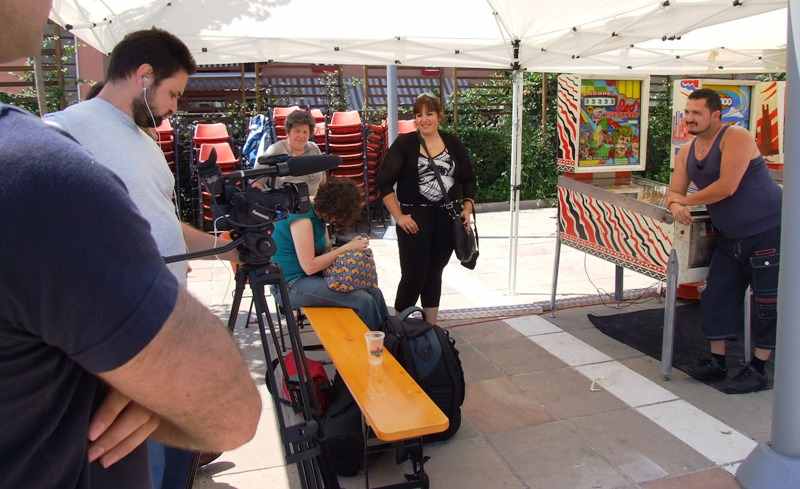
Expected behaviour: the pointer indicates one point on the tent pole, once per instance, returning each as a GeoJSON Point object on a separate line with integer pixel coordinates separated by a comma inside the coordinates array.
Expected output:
{"type": "Point", "coordinates": [516, 176]}
{"type": "Point", "coordinates": [776, 465]}
{"type": "Point", "coordinates": [544, 100]}
{"type": "Point", "coordinates": [39, 83]}
{"type": "Point", "coordinates": [391, 101]}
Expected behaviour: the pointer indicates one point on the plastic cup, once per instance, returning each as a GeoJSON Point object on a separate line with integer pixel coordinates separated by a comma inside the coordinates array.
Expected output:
{"type": "Point", "coordinates": [374, 346]}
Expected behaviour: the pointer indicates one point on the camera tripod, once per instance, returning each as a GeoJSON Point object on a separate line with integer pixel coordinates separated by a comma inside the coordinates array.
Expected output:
{"type": "Point", "coordinates": [300, 440]}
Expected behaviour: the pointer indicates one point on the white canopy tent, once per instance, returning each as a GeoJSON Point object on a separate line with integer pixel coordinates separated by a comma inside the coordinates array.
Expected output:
{"type": "Point", "coordinates": [566, 36]}
{"type": "Point", "coordinates": [581, 36]}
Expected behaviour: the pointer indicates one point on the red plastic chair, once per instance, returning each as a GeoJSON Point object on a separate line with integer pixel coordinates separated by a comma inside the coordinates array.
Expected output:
{"type": "Point", "coordinates": [354, 137]}
{"type": "Point", "coordinates": [225, 158]}
{"type": "Point", "coordinates": [406, 126]}
{"type": "Point", "coordinates": [345, 122]}
{"type": "Point", "coordinates": [318, 115]}
{"type": "Point", "coordinates": [343, 149]}
{"type": "Point", "coordinates": [280, 113]}
{"type": "Point", "coordinates": [210, 133]}
{"type": "Point", "coordinates": [164, 127]}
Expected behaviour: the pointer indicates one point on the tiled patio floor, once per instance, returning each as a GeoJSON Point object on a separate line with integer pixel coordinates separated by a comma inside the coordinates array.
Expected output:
{"type": "Point", "coordinates": [532, 418]}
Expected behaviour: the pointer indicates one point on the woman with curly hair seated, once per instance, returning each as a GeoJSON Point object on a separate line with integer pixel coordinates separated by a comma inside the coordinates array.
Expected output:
{"type": "Point", "coordinates": [304, 251]}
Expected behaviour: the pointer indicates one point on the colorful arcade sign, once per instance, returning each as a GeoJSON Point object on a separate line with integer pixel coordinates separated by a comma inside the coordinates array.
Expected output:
{"type": "Point", "coordinates": [602, 123]}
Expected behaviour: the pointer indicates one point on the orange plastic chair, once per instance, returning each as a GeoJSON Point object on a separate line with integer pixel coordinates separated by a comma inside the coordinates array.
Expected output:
{"type": "Point", "coordinates": [280, 113]}
{"type": "Point", "coordinates": [406, 126]}
{"type": "Point", "coordinates": [354, 137]}
{"type": "Point", "coordinates": [210, 133]}
{"type": "Point", "coordinates": [225, 158]}
{"type": "Point", "coordinates": [344, 149]}
{"type": "Point", "coordinates": [345, 122]}
{"type": "Point", "coordinates": [164, 127]}
{"type": "Point", "coordinates": [318, 115]}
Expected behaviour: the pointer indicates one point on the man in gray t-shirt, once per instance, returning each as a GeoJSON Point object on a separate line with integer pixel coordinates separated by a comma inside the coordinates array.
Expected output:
{"type": "Point", "coordinates": [118, 143]}
{"type": "Point", "coordinates": [147, 73]}
{"type": "Point", "coordinates": [111, 126]}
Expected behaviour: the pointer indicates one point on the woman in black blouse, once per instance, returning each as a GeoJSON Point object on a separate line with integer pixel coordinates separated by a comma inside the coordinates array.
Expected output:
{"type": "Point", "coordinates": [424, 233]}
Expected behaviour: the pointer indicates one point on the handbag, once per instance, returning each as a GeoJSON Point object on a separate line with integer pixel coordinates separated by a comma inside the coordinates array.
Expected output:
{"type": "Point", "coordinates": [350, 271]}
{"type": "Point", "coordinates": [465, 237]}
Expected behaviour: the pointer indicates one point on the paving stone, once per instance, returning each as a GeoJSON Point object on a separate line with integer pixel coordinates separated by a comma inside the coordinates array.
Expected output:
{"type": "Point", "coordinates": [750, 414]}
{"type": "Point", "coordinates": [476, 366]}
{"type": "Point", "coordinates": [566, 393]}
{"type": "Point", "coordinates": [519, 356]}
{"type": "Point", "coordinates": [606, 344]}
{"type": "Point", "coordinates": [706, 479]}
{"type": "Point", "coordinates": [497, 405]}
{"type": "Point", "coordinates": [485, 333]}
{"type": "Point", "coordinates": [461, 464]}
{"type": "Point", "coordinates": [532, 325]}
{"type": "Point", "coordinates": [639, 448]}
{"type": "Point", "coordinates": [556, 456]}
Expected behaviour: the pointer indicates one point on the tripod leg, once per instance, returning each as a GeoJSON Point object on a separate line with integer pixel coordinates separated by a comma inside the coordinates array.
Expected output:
{"type": "Point", "coordinates": [249, 314]}
{"type": "Point", "coordinates": [241, 279]}
{"type": "Point", "coordinates": [280, 323]}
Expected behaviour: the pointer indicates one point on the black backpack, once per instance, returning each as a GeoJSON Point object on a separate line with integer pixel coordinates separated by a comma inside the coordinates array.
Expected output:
{"type": "Point", "coordinates": [430, 356]}
{"type": "Point", "coordinates": [342, 440]}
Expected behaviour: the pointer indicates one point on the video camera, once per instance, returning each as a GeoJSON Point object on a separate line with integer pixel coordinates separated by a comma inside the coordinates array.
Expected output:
{"type": "Point", "coordinates": [249, 213]}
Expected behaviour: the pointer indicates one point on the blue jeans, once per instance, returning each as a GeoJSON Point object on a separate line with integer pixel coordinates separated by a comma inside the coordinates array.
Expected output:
{"type": "Point", "coordinates": [169, 467]}
{"type": "Point", "coordinates": [313, 291]}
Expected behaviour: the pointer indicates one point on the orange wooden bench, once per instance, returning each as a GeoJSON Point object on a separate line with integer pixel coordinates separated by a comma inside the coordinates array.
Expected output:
{"type": "Point", "coordinates": [392, 404]}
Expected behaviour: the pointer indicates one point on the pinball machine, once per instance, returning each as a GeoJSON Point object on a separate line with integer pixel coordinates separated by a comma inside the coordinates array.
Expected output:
{"type": "Point", "coordinates": [607, 212]}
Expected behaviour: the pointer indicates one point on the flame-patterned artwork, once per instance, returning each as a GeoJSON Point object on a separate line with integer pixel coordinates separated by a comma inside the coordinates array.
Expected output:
{"type": "Point", "coordinates": [768, 106]}
{"type": "Point", "coordinates": [601, 124]}
{"type": "Point", "coordinates": [567, 122]}
{"type": "Point", "coordinates": [614, 233]}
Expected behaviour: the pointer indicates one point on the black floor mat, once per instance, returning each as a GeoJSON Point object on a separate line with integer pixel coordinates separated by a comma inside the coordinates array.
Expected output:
{"type": "Point", "coordinates": [642, 330]}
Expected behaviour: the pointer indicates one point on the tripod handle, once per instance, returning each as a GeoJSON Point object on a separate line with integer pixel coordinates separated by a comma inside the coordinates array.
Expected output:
{"type": "Point", "coordinates": [209, 252]}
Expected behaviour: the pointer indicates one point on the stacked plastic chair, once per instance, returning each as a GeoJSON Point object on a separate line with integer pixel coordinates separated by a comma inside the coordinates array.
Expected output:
{"type": "Point", "coordinates": [206, 137]}
{"type": "Point", "coordinates": [376, 149]}
{"type": "Point", "coordinates": [406, 126]}
{"type": "Point", "coordinates": [166, 140]}
{"type": "Point", "coordinates": [279, 115]}
{"type": "Point", "coordinates": [346, 139]}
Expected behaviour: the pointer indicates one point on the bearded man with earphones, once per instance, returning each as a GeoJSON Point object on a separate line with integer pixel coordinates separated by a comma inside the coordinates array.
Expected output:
{"type": "Point", "coordinates": [147, 73]}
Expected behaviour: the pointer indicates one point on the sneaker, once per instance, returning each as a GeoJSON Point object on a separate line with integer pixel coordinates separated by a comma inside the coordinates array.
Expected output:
{"type": "Point", "coordinates": [708, 369]}
{"type": "Point", "coordinates": [746, 380]}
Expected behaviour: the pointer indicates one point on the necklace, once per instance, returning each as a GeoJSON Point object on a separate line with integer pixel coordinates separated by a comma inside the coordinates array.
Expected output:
{"type": "Point", "coordinates": [705, 147]}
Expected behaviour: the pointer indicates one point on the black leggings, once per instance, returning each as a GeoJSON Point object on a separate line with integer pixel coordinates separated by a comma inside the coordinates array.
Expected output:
{"type": "Point", "coordinates": [423, 257]}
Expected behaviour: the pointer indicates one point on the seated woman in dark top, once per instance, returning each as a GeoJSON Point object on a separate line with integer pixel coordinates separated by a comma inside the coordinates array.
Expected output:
{"type": "Point", "coordinates": [424, 233]}
{"type": "Point", "coordinates": [304, 251]}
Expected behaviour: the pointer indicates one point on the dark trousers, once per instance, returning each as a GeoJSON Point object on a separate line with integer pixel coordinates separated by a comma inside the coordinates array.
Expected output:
{"type": "Point", "coordinates": [423, 257]}
{"type": "Point", "coordinates": [735, 264]}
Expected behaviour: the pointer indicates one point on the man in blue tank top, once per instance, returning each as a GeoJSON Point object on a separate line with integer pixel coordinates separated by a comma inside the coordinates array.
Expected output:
{"type": "Point", "coordinates": [745, 207]}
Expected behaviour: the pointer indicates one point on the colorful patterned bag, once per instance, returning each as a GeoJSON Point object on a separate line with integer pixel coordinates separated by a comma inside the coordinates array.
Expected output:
{"type": "Point", "coordinates": [352, 270]}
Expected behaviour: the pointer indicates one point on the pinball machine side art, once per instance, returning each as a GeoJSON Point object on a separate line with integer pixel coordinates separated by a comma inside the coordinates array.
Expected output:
{"type": "Point", "coordinates": [768, 116]}
{"type": "Point", "coordinates": [616, 234]}
{"type": "Point", "coordinates": [567, 122]}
